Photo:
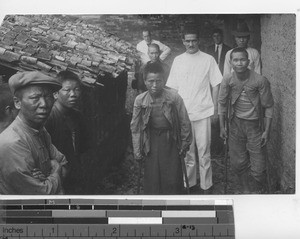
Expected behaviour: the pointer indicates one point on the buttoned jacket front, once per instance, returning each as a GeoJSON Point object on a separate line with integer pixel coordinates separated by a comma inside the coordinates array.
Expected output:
{"type": "Point", "coordinates": [174, 111]}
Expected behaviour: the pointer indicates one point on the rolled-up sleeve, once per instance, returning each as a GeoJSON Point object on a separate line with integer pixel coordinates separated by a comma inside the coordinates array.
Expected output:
{"type": "Point", "coordinates": [266, 98]}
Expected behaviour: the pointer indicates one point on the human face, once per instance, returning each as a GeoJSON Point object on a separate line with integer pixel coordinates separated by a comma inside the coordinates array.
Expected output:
{"type": "Point", "coordinates": [191, 42]}
{"type": "Point", "coordinates": [217, 37]}
{"type": "Point", "coordinates": [242, 41]}
{"type": "Point", "coordinates": [239, 62]}
{"type": "Point", "coordinates": [154, 83]}
{"type": "Point", "coordinates": [69, 94]}
{"type": "Point", "coordinates": [34, 104]}
{"type": "Point", "coordinates": [153, 54]}
{"type": "Point", "coordinates": [147, 37]}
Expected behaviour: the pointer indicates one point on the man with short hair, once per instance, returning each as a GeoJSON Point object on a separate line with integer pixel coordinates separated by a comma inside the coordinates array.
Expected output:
{"type": "Point", "coordinates": [8, 112]}
{"type": "Point", "coordinates": [161, 132]}
{"type": "Point", "coordinates": [247, 97]}
{"type": "Point", "coordinates": [219, 49]}
{"type": "Point", "coordinates": [29, 162]}
{"type": "Point", "coordinates": [153, 53]}
{"type": "Point", "coordinates": [193, 74]}
{"type": "Point", "coordinates": [242, 36]}
{"type": "Point", "coordinates": [142, 47]}
{"type": "Point", "coordinates": [68, 130]}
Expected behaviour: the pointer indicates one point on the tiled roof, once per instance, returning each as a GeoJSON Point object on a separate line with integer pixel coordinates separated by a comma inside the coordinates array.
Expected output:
{"type": "Point", "coordinates": [52, 43]}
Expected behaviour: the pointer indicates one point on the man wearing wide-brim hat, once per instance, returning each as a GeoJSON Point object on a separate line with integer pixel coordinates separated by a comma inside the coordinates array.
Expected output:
{"type": "Point", "coordinates": [242, 35]}
{"type": "Point", "coordinates": [29, 162]}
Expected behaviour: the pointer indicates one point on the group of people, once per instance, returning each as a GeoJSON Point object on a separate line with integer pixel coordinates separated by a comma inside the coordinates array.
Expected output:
{"type": "Point", "coordinates": [42, 134]}
{"type": "Point", "coordinates": [174, 112]}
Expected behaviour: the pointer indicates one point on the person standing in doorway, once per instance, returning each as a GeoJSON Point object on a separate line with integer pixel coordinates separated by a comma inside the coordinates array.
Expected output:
{"type": "Point", "coordinates": [66, 126]}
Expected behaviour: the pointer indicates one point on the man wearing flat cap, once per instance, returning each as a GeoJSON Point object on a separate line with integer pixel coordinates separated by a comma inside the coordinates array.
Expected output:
{"type": "Point", "coordinates": [29, 162]}
{"type": "Point", "coordinates": [242, 36]}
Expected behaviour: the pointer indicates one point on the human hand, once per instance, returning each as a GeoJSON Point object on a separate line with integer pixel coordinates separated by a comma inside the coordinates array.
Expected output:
{"type": "Point", "coordinates": [139, 157]}
{"type": "Point", "coordinates": [183, 150]}
{"type": "Point", "coordinates": [223, 133]}
{"type": "Point", "coordinates": [264, 139]}
{"type": "Point", "coordinates": [37, 174]}
{"type": "Point", "coordinates": [56, 167]}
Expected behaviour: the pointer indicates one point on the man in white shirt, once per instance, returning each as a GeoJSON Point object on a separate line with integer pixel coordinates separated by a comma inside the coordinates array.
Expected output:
{"type": "Point", "coordinates": [242, 36]}
{"type": "Point", "coordinates": [197, 77]}
{"type": "Point", "coordinates": [142, 47]}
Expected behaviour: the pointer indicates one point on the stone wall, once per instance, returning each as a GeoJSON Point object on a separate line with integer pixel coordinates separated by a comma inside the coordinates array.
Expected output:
{"type": "Point", "coordinates": [278, 55]}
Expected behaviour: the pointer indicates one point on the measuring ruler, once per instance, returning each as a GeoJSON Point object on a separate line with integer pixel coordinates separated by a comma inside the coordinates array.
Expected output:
{"type": "Point", "coordinates": [117, 218]}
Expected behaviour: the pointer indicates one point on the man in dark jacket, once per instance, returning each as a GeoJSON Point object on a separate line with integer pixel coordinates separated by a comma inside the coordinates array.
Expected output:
{"type": "Point", "coordinates": [218, 49]}
{"type": "Point", "coordinates": [66, 126]}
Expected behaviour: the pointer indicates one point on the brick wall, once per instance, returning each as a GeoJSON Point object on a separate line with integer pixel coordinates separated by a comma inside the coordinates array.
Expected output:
{"type": "Point", "coordinates": [279, 57]}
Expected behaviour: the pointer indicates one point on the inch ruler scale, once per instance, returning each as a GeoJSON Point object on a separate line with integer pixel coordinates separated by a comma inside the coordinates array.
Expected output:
{"type": "Point", "coordinates": [116, 218]}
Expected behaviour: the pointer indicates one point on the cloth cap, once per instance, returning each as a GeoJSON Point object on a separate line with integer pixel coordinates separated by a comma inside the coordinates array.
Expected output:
{"type": "Point", "coordinates": [242, 30]}
{"type": "Point", "coordinates": [26, 78]}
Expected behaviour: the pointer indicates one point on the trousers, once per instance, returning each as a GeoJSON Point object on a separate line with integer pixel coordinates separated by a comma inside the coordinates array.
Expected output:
{"type": "Point", "coordinates": [201, 130]}
{"type": "Point", "coordinates": [245, 148]}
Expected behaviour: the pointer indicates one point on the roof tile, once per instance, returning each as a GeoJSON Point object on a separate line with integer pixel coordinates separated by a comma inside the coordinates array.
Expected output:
{"type": "Point", "coordinates": [43, 55]}
{"type": "Point", "coordinates": [29, 59]}
{"type": "Point", "coordinates": [30, 50]}
{"type": "Point", "coordinates": [61, 42]}
{"type": "Point", "coordinates": [43, 66]}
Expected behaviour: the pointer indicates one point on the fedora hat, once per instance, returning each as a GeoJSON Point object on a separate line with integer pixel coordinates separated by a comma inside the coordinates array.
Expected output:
{"type": "Point", "coordinates": [242, 30]}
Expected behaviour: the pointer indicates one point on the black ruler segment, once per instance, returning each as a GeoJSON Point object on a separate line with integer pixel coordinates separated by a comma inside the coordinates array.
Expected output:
{"type": "Point", "coordinates": [116, 218]}
{"type": "Point", "coordinates": [105, 207]}
{"type": "Point", "coordinates": [81, 207]}
{"type": "Point", "coordinates": [57, 207]}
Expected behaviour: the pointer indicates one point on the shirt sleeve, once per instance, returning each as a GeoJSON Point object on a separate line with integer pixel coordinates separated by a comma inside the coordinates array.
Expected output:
{"type": "Point", "coordinates": [185, 124]}
{"type": "Point", "coordinates": [136, 129]}
{"type": "Point", "coordinates": [266, 98]}
{"type": "Point", "coordinates": [215, 76]}
{"type": "Point", "coordinates": [172, 81]}
{"type": "Point", "coordinates": [227, 65]}
{"type": "Point", "coordinates": [18, 172]}
{"type": "Point", "coordinates": [223, 96]}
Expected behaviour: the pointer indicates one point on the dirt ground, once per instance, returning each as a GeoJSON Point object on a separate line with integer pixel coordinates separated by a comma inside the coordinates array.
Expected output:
{"type": "Point", "coordinates": [123, 178]}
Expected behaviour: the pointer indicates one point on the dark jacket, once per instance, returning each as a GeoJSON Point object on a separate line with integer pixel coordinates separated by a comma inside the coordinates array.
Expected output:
{"type": "Point", "coordinates": [211, 51]}
{"type": "Point", "coordinates": [174, 111]}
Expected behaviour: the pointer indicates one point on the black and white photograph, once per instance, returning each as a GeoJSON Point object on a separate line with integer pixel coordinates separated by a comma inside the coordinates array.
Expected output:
{"type": "Point", "coordinates": [190, 104]}
{"type": "Point", "coordinates": [150, 104]}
